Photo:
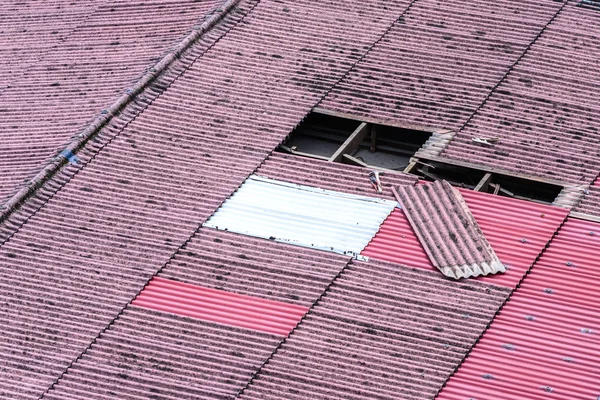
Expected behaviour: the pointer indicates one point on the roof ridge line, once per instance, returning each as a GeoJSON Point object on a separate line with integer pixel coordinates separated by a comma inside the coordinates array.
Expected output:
{"type": "Point", "coordinates": [67, 154]}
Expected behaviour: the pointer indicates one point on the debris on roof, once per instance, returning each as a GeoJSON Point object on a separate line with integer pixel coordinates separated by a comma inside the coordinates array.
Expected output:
{"type": "Point", "coordinates": [381, 331]}
{"type": "Point", "coordinates": [544, 341]}
{"type": "Point", "coordinates": [220, 306]}
{"type": "Point", "coordinates": [448, 231]}
{"type": "Point", "coordinates": [302, 215]}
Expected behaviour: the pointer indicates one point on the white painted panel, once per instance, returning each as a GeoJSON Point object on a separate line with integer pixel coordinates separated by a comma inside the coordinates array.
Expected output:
{"type": "Point", "coordinates": [302, 215]}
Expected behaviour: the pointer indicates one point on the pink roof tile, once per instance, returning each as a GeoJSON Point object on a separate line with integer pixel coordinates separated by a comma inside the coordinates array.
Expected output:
{"type": "Point", "coordinates": [331, 176]}
{"type": "Point", "coordinates": [545, 340]}
{"type": "Point", "coordinates": [86, 70]}
{"type": "Point", "coordinates": [447, 230]}
{"type": "Point", "coordinates": [546, 112]}
{"type": "Point", "coordinates": [437, 65]}
{"type": "Point", "coordinates": [93, 236]}
{"type": "Point", "coordinates": [380, 331]}
{"type": "Point", "coordinates": [155, 355]}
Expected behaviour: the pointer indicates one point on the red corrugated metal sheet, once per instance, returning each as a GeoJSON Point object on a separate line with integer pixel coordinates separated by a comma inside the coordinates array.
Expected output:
{"type": "Point", "coordinates": [590, 203]}
{"type": "Point", "coordinates": [547, 112]}
{"type": "Point", "coordinates": [152, 176]}
{"type": "Point", "coordinates": [516, 229]}
{"type": "Point", "coordinates": [82, 75]}
{"type": "Point", "coordinates": [438, 64]}
{"type": "Point", "coordinates": [545, 342]}
{"type": "Point", "coordinates": [331, 176]}
{"type": "Point", "coordinates": [447, 230]}
{"type": "Point", "coordinates": [152, 355]}
{"type": "Point", "coordinates": [220, 306]}
{"type": "Point", "coordinates": [380, 331]}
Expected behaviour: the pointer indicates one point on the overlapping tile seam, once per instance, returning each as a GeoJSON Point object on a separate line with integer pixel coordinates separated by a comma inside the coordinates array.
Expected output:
{"type": "Point", "coordinates": [509, 70]}
{"type": "Point", "coordinates": [282, 342]}
{"type": "Point", "coordinates": [153, 89]}
{"type": "Point", "coordinates": [493, 90]}
{"type": "Point", "coordinates": [502, 306]}
{"type": "Point", "coordinates": [85, 146]}
{"type": "Point", "coordinates": [97, 5]}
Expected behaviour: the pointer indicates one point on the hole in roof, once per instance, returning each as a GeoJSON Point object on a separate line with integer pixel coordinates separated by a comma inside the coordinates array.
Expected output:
{"type": "Point", "coordinates": [496, 183]}
{"type": "Point", "coordinates": [352, 141]}
{"type": "Point", "coordinates": [592, 4]}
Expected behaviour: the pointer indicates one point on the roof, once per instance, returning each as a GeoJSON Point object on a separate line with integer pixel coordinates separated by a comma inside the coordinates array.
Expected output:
{"type": "Point", "coordinates": [109, 183]}
{"type": "Point", "coordinates": [544, 341]}
{"type": "Point", "coordinates": [590, 203]}
{"type": "Point", "coordinates": [447, 231]}
{"type": "Point", "coordinates": [507, 224]}
{"type": "Point", "coordinates": [376, 333]}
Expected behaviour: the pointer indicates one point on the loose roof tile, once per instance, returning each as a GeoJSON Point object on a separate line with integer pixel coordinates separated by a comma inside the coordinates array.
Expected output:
{"type": "Point", "coordinates": [590, 203]}
{"type": "Point", "coordinates": [219, 306]}
{"type": "Point", "coordinates": [126, 197]}
{"type": "Point", "coordinates": [437, 65]}
{"type": "Point", "coordinates": [255, 267]}
{"type": "Point", "coordinates": [83, 75]}
{"type": "Point", "coordinates": [302, 215]}
{"type": "Point", "coordinates": [544, 343]}
{"type": "Point", "coordinates": [517, 231]}
{"type": "Point", "coordinates": [375, 333]}
{"type": "Point", "coordinates": [148, 354]}
{"type": "Point", "coordinates": [448, 231]}
{"type": "Point", "coordinates": [331, 176]}
{"type": "Point", "coordinates": [546, 112]}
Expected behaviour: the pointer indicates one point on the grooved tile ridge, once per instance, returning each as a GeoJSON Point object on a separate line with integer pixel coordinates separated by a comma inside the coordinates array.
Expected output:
{"type": "Point", "coordinates": [447, 230]}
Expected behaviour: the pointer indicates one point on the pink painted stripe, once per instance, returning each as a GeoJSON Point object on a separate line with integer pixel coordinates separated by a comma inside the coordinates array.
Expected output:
{"type": "Point", "coordinates": [219, 306]}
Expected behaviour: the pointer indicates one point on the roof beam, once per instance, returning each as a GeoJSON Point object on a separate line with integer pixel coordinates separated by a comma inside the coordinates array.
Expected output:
{"type": "Point", "coordinates": [352, 143]}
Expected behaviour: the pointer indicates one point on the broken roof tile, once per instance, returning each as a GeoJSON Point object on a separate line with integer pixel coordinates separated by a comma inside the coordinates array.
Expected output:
{"type": "Point", "coordinates": [448, 231]}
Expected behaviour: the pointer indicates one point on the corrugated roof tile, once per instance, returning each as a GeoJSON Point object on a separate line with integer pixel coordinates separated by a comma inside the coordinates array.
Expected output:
{"type": "Point", "coordinates": [517, 231]}
{"type": "Point", "coordinates": [106, 53]}
{"type": "Point", "coordinates": [546, 112]}
{"type": "Point", "coordinates": [447, 230]}
{"type": "Point", "coordinates": [375, 333]}
{"type": "Point", "coordinates": [95, 233]}
{"type": "Point", "coordinates": [331, 176]}
{"type": "Point", "coordinates": [544, 342]}
{"type": "Point", "coordinates": [438, 64]}
{"type": "Point", "coordinates": [149, 354]}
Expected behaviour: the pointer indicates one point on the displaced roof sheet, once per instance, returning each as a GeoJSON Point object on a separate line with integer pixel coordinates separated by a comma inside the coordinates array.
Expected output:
{"type": "Point", "coordinates": [220, 306]}
{"type": "Point", "coordinates": [302, 215]}
{"type": "Point", "coordinates": [82, 75]}
{"type": "Point", "coordinates": [94, 235]}
{"type": "Point", "coordinates": [546, 113]}
{"type": "Point", "coordinates": [517, 231]}
{"type": "Point", "coordinates": [332, 176]}
{"type": "Point", "coordinates": [545, 342]}
{"type": "Point", "coordinates": [437, 65]}
{"type": "Point", "coordinates": [148, 354]}
{"type": "Point", "coordinates": [590, 203]}
{"type": "Point", "coordinates": [448, 231]}
{"type": "Point", "coordinates": [381, 331]}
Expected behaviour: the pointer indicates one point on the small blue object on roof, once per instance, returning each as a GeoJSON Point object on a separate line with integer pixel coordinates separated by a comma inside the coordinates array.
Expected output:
{"type": "Point", "coordinates": [72, 158]}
